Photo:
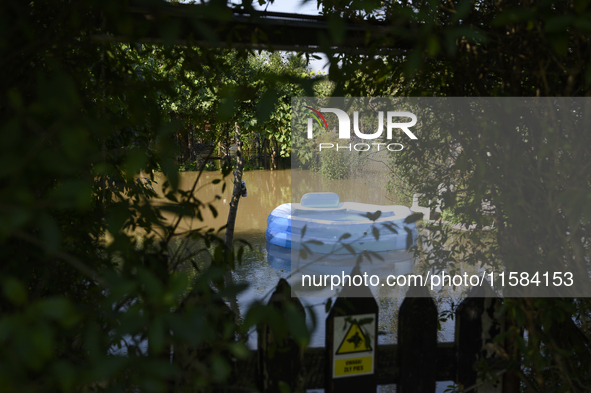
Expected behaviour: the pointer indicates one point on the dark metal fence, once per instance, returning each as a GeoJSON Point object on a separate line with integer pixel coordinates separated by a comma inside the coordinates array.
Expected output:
{"type": "Point", "coordinates": [351, 360]}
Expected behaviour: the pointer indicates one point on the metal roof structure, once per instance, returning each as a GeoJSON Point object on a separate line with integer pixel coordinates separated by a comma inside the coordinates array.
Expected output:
{"type": "Point", "coordinates": [223, 27]}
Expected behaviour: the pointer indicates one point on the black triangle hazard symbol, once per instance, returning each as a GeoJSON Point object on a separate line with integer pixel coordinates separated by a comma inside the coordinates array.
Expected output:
{"type": "Point", "coordinates": [354, 341]}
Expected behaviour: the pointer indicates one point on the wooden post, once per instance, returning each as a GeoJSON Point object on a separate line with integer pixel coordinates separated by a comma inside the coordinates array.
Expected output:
{"type": "Point", "coordinates": [280, 359]}
{"type": "Point", "coordinates": [476, 326]}
{"type": "Point", "coordinates": [351, 340]}
{"type": "Point", "coordinates": [417, 342]}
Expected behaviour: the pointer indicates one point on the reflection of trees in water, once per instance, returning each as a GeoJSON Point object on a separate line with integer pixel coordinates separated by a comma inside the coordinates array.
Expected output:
{"type": "Point", "coordinates": [196, 256]}
{"type": "Point", "coordinates": [361, 188]}
{"type": "Point", "coordinates": [275, 188]}
{"type": "Point", "coordinates": [390, 299]}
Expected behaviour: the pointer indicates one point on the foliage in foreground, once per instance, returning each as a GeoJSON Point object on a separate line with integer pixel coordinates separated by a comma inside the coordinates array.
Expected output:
{"type": "Point", "coordinates": [94, 290]}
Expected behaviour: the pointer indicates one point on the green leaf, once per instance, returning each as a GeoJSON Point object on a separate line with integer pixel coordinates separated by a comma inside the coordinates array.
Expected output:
{"type": "Point", "coordinates": [413, 218]}
{"type": "Point", "coordinates": [170, 170]}
{"type": "Point", "coordinates": [372, 216]}
{"type": "Point", "coordinates": [171, 197]}
{"type": "Point", "coordinates": [284, 387]}
{"type": "Point", "coordinates": [409, 238]}
{"type": "Point", "coordinates": [14, 290]}
{"type": "Point", "coordinates": [376, 233]}
{"type": "Point", "coordinates": [220, 368]}
{"type": "Point", "coordinates": [349, 248]}
{"type": "Point", "coordinates": [296, 322]}
{"type": "Point", "coordinates": [303, 254]}
{"type": "Point", "coordinates": [239, 349]}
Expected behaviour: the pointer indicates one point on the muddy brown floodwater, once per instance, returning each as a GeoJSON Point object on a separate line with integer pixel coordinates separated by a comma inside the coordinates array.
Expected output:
{"type": "Point", "coordinates": [267, 190]}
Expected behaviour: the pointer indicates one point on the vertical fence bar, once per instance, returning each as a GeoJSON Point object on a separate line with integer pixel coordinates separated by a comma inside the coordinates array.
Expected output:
{"type": "Point", "coordinates": [351, 340]}
{"type": "Point", "coordinates": [476, 326]}
{"type": "Point", "coordinates": [188, 355]}
{"type": "Point", "coordinates": [280, 359]}
{"type": "Point", "coordinates": [511, 380]}
{"type": "Point", "coordinates": [417, 342]}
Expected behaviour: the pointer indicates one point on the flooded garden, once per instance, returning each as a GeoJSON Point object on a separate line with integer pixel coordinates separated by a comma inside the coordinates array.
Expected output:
{"type": "Point", "coordinates": [268, 189]}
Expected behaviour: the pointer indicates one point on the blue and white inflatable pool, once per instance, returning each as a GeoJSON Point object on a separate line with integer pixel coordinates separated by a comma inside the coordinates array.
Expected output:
{"type": "Point", "coordinates": [334, 227]}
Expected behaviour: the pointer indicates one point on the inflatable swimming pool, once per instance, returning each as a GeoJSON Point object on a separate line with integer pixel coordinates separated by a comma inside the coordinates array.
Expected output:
{"type": "Point", "coordinates": [334, 226]}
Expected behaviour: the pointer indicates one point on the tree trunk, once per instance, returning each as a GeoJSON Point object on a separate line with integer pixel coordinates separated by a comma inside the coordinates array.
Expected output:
{"type": "Point", "coordinates": [258, 150]}
{"type": "Point", "coordinates": [236, 193]}
{"type": "Point", "coordinates": [273, 144]}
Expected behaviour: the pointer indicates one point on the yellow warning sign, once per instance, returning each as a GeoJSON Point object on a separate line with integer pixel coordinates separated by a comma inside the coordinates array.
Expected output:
{"type": "Point", "coordinates": [354, 341]}
{"type": "Point", "coordinates": [343, 367]}
{"type": "Point", "coordinates": [354, 345]}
